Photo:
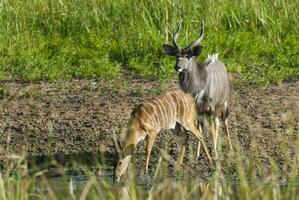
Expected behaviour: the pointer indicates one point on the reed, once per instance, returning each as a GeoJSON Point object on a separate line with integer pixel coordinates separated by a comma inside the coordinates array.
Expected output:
{"type": "Point", "coordinates": [241, 174]}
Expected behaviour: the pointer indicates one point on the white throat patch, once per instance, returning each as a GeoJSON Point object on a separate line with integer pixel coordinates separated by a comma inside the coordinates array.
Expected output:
{"type": "Point", "coordinates": [183, 64]}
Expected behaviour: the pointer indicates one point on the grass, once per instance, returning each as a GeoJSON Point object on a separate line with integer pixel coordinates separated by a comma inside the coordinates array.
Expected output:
{"type": "Point", "coordinates": [61, 40]}
{"type": "Point", "coordinates": [17, 181]}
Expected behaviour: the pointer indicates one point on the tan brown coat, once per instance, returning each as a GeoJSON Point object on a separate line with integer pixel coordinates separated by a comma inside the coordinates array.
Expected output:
{"type": "Point", "coordinates": [160, 113]}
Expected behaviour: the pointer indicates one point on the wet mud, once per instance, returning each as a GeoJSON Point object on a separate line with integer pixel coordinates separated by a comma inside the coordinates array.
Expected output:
{"type": "Point", "coordinates": [75, 121]}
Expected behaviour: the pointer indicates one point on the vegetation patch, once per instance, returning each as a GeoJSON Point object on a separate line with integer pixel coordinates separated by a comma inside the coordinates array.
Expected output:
{"type": "Point", "coordinates": [54, 40]}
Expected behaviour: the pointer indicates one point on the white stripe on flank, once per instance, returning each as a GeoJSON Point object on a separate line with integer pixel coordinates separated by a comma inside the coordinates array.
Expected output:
{"type": "Point", "coordinates": [158, 104]}
{"type": "Point", "coordinates": [178, 105]}
{"type": "Point", "coordinates": [146, 113]}
{"type": "Point", "coordinates": [154, 107]}
{"type": "Point", "coordinates": [217, 78]}
{"type": "Point", "coordinates": [165, 109]}
{"type": "Point", "coordinates": [164, 117]}
{"type": "Point", "coordinates": [169, 111]}
{"type": "Point", "coordinates": [184, 106]}
{"type": "Point", "coordinates": [172, 108]}
{"type": "Point", "coordinates": [166, 113]}
{"type": "Point", "coordinates": [146, 124]}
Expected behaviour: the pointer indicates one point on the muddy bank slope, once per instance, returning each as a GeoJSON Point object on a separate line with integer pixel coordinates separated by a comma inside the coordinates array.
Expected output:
{"type": "Point", "coordinates": [82, 115]}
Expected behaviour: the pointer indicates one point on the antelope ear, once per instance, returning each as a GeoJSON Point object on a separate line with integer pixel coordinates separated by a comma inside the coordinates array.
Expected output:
{"type": "Point", "coordinates": [170, 50]}
{"type": "Point", "coordinates": [196, 50]}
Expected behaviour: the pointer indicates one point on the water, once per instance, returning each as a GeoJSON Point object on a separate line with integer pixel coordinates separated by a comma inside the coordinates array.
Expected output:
{"type": "Point", "coordinates": [67, 177]}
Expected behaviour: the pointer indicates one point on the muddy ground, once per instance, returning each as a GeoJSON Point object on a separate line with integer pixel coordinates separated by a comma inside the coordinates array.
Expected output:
{"type": "Point", "coordinates": [68, 118]}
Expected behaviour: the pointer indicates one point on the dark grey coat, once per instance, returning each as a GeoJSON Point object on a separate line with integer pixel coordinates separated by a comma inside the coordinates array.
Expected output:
{"type": "Point", "coordinates": [208, 82]}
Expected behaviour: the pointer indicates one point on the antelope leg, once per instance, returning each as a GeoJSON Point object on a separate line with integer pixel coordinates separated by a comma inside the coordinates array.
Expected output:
{"type": "Point", "coordinates": [184, 147]}
{"type": "Point", "coordinates": [200, 127]}
{"type": "Point", "coordinates": [217, 125]}
{"type": "Point", "coordinates": [212, 123]}
{"type": "Point", "coordinates": [227, 133]}
{"type": "Point", "coordinates": [149, 146]}
{"type": "Point", "coordinates": [198, 150]}
{"type": "Point", "coordinates": [192, 128]}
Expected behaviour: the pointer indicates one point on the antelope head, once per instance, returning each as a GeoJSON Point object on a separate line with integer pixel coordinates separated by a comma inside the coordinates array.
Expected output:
{"type": "Point", "coordinates": [183, 55]}
{"type": "Point", "coordinates": [124, 155]}
{"type": "Point", "coordinates": [121, 167]}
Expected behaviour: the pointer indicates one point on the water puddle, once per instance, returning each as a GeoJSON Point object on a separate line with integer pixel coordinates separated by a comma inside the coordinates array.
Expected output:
{"type": "Point", "coordinates": [67, 176]}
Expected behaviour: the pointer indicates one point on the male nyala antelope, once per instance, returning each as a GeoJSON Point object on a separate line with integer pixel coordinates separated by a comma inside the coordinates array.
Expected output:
{"type": "Point", "coordinates": [208, 83]}
{"type": "Point", "coordinates": [164, 112]}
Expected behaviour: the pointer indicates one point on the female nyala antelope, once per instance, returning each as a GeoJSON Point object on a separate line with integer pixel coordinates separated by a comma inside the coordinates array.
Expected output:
{"type": "Point", "coordinates": [207, 82]}
{"type": "Point", "coordinates": [161, 113]}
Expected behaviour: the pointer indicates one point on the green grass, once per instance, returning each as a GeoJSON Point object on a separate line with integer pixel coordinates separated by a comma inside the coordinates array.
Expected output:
{"type": "Point", "coordinates": [235, 176]}
{"type": "Point", "coordinates": [61, 40]}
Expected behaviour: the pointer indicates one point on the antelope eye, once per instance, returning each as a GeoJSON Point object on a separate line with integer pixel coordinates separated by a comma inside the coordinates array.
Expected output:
{"type": "Point", "coordinates": [189, 54]}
